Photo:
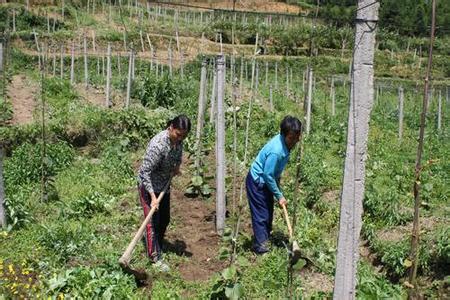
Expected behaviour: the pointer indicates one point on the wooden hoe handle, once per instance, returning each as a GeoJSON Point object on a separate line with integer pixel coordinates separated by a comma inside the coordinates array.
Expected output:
{"type": "Point", "coordinates": [124, 260]}
{"type": "Point", "coordinates": [286, 217]}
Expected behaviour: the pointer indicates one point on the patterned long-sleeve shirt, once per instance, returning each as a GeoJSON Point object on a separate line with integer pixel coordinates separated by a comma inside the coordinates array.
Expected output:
{"type": "Point", "coordinates": [160, 161]}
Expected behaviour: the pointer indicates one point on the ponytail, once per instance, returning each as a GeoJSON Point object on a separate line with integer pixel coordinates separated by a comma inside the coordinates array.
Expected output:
{"type": "Point", "coordinates": [181, 122]}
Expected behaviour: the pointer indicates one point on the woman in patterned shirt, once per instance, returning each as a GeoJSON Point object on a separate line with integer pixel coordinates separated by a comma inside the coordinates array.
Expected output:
{"type": "Point", "coordinates": [161, 161]}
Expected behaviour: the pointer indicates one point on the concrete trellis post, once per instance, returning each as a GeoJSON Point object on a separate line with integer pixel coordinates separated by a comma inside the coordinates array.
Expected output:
{"type": "Point", "coordinates": [119, 65]}
{"type": "Point", "coordinates": [72, 64]}
{"type": "Point", "coordinates": [246, 70]}
{"type": "Point", "coordinates": [361, 101]}
{"type": "Point", "coordinates": [212, 111]}
{"type": "Point", "coordinates": [333, 98]}
{"type": "Point", "coordinates": [1, 57]}
{"type": "Point", "coordinates": [267, 73]}
{"type": "Point", "coordinates": [62, 9]}
{"type": "Point", "coordinates": [48, 23]}
{"type": "Point", "coordinates": [200, 116]}
{"type": "Point", "coordinates": [133, 73]}
{"type": "Point", "coordinates": [439, 116]}
{"type": "Point", "coordinates": [170, 61]}
{"type": "Point", "coordinates": [241, 77]}
{"type": "Point", "coordinates": [130, 70]}
{"type": "Point", "coordinates": [142, 41]}
{"type": "Point", "coordinates": [308, 101]}
{"type": "Point", "coordinates": [400, 113]}
{"type": "Point", "coordinates": [276, 75]}
{"type": "Point", "coordinates": [108, 77]}
{"type": "Point", "coordinates": [270, 97]}
{"type": "Point", "coordinates": [86, 73]}
{"type": "Point", "coordinates": [103, 65]}
{"type": "Point", "coordinates": [256, 77]}
{"type": "Point", "coordinates": [220, 155]}
{"type": "Point", "coordinates": [61, 62]}
{"type": "Point", "coordinates": [54, 64]}
{"type": "Point", "coordinates": [14, 20]}
{"type": "Point", "coordinates": [287, 81]}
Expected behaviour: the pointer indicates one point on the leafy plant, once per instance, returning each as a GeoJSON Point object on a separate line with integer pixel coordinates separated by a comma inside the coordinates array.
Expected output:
{"type": "Point", "coordinates": [156, 92]}
{"type": "Point", "coordinates": [66, 240]}
{"type": "Point", "coordinates": [90, 282]}
{"type": "Point", "coordinates": [92, 204]}
{"type": "Point", "coordinates": [6, 112]}
{"type": "Point", "coordinates": [227, 285]}
{"type": "Point", "coordinates": [198, 187]}
{"type": "Point", "coordinates": [25, 164]}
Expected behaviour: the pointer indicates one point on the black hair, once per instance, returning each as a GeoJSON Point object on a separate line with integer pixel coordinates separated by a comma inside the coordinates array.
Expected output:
{"type": "Point", "coordinates": [180, 122]}
{"type": "Point", "coordinates": [290, 124]}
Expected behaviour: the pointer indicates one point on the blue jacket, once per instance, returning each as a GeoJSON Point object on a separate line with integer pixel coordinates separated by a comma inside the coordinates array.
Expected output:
{"type": "Point", "coordinates": [270, 163]}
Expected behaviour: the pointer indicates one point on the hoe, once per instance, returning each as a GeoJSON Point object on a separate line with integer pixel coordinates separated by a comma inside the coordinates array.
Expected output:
{"type": "Point", "coordinates": [295, 251]}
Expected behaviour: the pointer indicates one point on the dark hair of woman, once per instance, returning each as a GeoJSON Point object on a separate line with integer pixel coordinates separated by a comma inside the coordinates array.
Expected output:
{"type": "Point", "coordinates": [290, 124]}
{"type": "Point", "coordinates": [181, 122]}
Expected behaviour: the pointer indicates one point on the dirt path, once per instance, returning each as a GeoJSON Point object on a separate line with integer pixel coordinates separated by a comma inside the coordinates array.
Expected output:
{"type": "Point", "coordinates": [22, 92]}
{"type": "Point", "coordinates": [194, 236]}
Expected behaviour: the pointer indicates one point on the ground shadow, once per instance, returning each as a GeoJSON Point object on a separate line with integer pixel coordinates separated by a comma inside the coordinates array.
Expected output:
{"type": "Point", "coordinates": [177, 247]}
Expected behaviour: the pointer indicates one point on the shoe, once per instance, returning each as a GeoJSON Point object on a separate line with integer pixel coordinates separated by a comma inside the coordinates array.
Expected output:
{"type": "Point", "coordinates": [262, 248]}
{"type": "Point", "coordinates": [161, 266]}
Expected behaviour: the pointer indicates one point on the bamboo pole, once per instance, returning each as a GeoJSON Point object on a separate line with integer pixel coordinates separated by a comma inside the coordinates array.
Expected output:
{"type": "Point", "coordinates": [414, 254]}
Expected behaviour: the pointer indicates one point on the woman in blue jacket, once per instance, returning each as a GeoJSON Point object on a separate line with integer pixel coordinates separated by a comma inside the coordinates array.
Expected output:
{"type": "Point", "coordinates": [263, 180]}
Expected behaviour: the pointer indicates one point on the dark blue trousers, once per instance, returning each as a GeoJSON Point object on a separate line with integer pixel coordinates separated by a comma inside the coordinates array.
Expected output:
{"type": "Point", "coordinates": [260, 200]}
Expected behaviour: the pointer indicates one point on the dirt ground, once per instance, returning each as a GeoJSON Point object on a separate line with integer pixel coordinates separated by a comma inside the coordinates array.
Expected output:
{"type": "Point", "coordinates": [397, 233]}
{"type": "Point", "coordinates": [252, 5]}
{"type": "Point", "coordinates": [194, 236]}
{"type": "Point", "coordinates": [22, 93]}
{"type": "Point", "coordinates": [91, 95]}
